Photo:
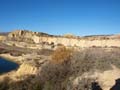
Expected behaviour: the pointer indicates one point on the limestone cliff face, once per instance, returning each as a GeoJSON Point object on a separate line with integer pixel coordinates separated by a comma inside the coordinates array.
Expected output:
{"type": "Point", "coordinates": [106, 41]}
{"type": "Point", "coordinates": [26, 69]}
{"type": "Point", "coordinates": [21, 33]}
{"type": "Point", "coordinates": [80, 42]}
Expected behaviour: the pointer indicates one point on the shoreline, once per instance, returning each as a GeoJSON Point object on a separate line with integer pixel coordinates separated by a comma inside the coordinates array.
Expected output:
{"type": "Point", "coordinates": [11, 73]}
{"type": "Point", "coordinates": [10, 58]}
{"type": "Point", "coordinates": [7, 59]}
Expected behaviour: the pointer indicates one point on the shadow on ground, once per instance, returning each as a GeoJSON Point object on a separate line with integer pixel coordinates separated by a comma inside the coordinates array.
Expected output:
{"type": "Point", "coordinates": [96, 86]}
{"type": "Point", "coordinates": [117, 85]}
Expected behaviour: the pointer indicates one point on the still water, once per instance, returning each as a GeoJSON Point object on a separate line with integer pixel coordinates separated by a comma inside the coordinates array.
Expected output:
{"type": "Point", "coordinates": [7, 66]}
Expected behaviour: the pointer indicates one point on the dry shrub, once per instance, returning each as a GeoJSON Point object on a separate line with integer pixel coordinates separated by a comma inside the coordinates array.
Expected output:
{"type": "Point", "coordinates": [58, 70]}
{"type": "Point", "coordinates": [61, 54]}
{"type": "Point", "coordinates": [69, 36]}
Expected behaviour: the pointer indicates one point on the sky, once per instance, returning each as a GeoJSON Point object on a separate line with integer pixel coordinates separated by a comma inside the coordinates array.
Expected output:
{"type": "Point", "coordinates": [78, 17]}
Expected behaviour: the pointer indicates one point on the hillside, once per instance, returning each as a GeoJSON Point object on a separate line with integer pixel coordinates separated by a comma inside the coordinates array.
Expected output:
{"type": "Point", "coordinates": [47, 40]}
{"type": "Point", "coordinates": [49, 62]}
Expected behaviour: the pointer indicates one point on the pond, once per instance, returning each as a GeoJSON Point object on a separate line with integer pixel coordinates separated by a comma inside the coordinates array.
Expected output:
{"type": "Point", "coordinates": [7, 66]}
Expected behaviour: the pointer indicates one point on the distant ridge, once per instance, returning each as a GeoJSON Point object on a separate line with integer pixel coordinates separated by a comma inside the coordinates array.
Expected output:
{"type": "Point", "coordinates": [46, 34]}
{"type": "Point", "coordinates": [4, 33]}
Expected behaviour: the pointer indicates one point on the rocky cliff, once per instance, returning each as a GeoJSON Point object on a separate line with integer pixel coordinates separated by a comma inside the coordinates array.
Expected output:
{"type": "Point", "coordinates": [88, 41]}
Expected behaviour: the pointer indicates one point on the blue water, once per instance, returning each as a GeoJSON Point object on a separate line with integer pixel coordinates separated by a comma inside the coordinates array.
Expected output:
{"type": "Point", "coordinates": [7, 66]}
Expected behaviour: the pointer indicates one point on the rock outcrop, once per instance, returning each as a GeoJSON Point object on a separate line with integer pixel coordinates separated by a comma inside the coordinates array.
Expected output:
{"type": "Point", "coordinates": [25, 36]}
{"type": "Point", "coordinates": [105, 79]}
{"type": "Point", "coordinates": [26, 69]}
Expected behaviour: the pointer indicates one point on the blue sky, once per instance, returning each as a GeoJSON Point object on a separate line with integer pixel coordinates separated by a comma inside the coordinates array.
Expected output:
{"type": "Point", "coordinates": [79, 17]}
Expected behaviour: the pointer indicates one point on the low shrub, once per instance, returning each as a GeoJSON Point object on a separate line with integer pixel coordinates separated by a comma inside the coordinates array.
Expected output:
{"type": "Point", "coordinates": [61, 54]}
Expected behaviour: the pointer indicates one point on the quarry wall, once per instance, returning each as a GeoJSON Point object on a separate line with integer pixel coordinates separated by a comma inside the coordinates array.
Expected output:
{"type": "Point", "coordinates": [78, 42]}
{"type": "Point", "coordinates": [65, 41]}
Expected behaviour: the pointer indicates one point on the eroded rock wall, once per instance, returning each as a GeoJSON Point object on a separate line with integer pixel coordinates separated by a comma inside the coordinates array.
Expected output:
{"type": "Point", "coordinates": [79, 42]}
{"type": "Point", "coordinates": [33, 36]}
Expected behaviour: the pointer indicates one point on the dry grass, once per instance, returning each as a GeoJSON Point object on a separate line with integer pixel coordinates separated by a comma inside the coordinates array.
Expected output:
{"type": "Point", "coordinates": [61, 54]}
{"type": "Point", "coordinates": [61, 76]}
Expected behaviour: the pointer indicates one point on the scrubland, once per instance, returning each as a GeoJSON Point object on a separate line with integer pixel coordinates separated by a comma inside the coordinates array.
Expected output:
{"type": "Point", "coordinates": [64, 67]}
